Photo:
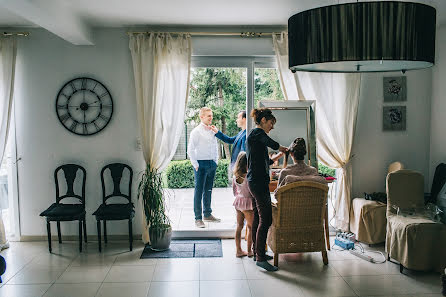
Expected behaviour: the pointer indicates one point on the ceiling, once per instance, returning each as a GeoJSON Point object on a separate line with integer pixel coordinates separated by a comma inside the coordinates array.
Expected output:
{"type": "Point", "coordinates": [74, 19]}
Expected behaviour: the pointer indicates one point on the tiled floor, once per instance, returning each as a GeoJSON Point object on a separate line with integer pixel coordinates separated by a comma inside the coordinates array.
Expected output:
{"type": "Point", "coordinates": [116, 272]}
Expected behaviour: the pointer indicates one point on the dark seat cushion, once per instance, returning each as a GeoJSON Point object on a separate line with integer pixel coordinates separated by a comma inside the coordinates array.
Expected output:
{"type": "Point", "coordinates": [64, 211]}
{"type": "Point", "coordinates": [115, 212]}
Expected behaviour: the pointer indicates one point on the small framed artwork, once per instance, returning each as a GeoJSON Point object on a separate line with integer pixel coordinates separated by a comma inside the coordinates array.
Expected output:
{"type": "Point", "coordinates": [394, 118]}
{"type": "Point", "coordinates": [395, 89]}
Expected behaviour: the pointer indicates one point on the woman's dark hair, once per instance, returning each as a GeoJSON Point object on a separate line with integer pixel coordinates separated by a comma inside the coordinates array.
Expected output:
{"type": "Point", "coordinates": [243, 113]}
{"type": "Point", "coordinates": [259, 113]}
{"type": "Point", "coordinates": [298, 148]}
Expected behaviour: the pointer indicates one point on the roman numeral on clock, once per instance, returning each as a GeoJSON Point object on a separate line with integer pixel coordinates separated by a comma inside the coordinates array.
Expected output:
{"type": "Point", "coordinates": [73, 126]}
{"type": "Point", "coordinates": [84, 84]}
{"type": "Point", "coordinates": [64, 117]}
{"type": "Point", "coordinates": [73, 87]}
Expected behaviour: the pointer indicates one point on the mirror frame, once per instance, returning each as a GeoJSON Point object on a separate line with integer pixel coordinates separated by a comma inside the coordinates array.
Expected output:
{"type": "Point", "coordinates": [310, 107]}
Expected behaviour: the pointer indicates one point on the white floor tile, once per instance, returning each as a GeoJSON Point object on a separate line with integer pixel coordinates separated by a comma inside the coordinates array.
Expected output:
{"type": "Point", "coordinates": [169, 289]}
{"type": "Point", "coordinates": [382, 284]}
{"type": "Point", "coordinates": [97, 259]}
{"type": "Point", "coordinates": [313, 285]}
{"type": "Point", "coordinates": [123, 289]}
{"type": "Point", "coordinates": [275, 287]}
{"type": "Point", "coordinates": [222, 271]}
{"type": "Point", "coordinates": [83, 275]}
{"type": "Point", "coordinates": [133, 258]}
{"type": "Point", "coordinates": [73, 290]}
{"type": "Point", "coordinates": [129, 274]}
{"type": "Point", "coordinates": [36, 276]}
{"type": "Point", "coordinates": [177, 272]}
{"type": "Point", "coordinates": [52, 260]}
{"type": "Point", "coordinates": [23, 290]}
{"type": "Point", "coordinates": [362, 267]}
{"type": "Point", "coordinates": [232, 288]}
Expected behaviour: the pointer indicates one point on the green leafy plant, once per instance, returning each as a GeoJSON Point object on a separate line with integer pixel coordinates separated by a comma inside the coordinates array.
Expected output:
{"type": "Point", "coordinates": [323, 169]}
{"type": "Point", "coordinates": [221, 175]}
{"type": "Point", "coordinates": [180, 174]}
{"type": "Point", "coordinates": [152, 193]}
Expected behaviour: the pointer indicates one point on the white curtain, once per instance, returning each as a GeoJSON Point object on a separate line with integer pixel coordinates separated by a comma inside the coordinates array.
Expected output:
{"type": "Point", "coordinates": [161, 67]}
{"type": "Point", "coordinates": [8, 52]}
{"type": "Point", "coordinates": [337, 97]}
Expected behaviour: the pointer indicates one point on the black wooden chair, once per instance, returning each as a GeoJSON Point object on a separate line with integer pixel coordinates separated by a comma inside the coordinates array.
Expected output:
{"type": "Point", "coordinates": [115, 211]}
{"type": "Point", "coordinates": [60, 212]}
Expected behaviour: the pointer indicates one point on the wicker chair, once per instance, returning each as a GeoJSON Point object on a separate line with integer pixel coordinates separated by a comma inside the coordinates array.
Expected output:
{"type": "Point", "coordinates": [298, 220]}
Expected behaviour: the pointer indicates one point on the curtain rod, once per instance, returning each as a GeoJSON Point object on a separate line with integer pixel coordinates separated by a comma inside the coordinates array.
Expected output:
{"type": "Point", "coordinates": [15, 33]}
{"type": "Point", "coordinates": [241, 34]}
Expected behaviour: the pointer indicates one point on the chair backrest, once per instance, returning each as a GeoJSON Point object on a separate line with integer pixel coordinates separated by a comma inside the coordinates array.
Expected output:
{"type": "Point", "coordinates": [70, 173]}
{"type": "Point", "coordinates": [405, 189]}
{"type": "Point", "coordinates": [395, 166]}
{"type": "Point", "coordinates": [116, 172]}
{"type": "Point", "coordinates": [301, 204]}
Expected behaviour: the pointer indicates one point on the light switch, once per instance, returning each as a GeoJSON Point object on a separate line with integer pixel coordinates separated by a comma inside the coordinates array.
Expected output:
{"type": "Point", "coordinates": [138, 144]}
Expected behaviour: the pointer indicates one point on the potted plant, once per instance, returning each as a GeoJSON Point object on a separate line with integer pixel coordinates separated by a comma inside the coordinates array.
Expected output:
{"type": "Point", "coordinates": [152, 193]}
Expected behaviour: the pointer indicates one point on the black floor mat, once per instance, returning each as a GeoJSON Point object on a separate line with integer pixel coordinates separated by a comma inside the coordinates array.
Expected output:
{"type": "Point", "coordinates": [187, 248]}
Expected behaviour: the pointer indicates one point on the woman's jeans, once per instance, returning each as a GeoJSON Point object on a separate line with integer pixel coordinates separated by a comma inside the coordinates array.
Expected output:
{"type": "Point", "coordinates": [204, 181]}
{"type": "Point", "coordinates": [262, 217]}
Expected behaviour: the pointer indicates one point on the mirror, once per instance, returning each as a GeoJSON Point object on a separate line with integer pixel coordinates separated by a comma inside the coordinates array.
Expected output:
{"type": "Point", "coordinates": [294, 119]}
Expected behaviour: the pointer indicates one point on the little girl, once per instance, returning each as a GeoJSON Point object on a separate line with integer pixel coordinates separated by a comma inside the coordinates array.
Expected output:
{"type": "Point", "coordinates": [242, 204]}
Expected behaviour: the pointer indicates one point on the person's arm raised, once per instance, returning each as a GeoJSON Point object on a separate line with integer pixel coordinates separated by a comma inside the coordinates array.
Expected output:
{"type": "Point", "coordinates": [223, 137]}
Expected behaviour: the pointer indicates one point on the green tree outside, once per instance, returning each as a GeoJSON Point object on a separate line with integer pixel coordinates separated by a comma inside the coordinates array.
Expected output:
{"type": "Point", "coordinates": [224, 91]}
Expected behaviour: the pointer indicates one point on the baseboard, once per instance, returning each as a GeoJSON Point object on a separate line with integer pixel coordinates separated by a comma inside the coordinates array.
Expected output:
{"type": "Point", "coordinates": [76, 237]}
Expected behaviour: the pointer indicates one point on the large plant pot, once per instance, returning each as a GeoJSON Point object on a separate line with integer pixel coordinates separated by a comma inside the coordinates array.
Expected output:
{"type": "Point", "coordinates": [160, 237]}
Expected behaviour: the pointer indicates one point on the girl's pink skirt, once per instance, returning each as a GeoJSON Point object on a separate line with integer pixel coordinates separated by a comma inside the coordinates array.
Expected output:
{"type": "Point", "coordinates": [243, 204]}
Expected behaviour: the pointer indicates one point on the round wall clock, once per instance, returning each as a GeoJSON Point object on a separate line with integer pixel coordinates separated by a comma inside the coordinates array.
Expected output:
{"type": "Point", "coordinates": [84, 106]}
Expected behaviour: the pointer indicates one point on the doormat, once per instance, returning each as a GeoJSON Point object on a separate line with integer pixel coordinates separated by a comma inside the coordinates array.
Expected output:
{"type": "Point", "coordinates": [187, 248]}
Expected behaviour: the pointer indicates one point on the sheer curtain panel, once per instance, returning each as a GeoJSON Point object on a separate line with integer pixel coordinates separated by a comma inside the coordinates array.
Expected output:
{"type": "Point", "coordinates": [337, 97]}
{"type": "Point", "coordinates": [8, 52]}
{"type": "Point", "coordinates": [161, 67]}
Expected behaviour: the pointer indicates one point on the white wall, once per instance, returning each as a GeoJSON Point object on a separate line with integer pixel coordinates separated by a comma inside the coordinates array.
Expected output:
{"type": "Point", "coordinates": [44, 64]}
{"type": "Point", "coordinates": [374, 148]}
{"type": "Point", "coordinates": [438, 121]}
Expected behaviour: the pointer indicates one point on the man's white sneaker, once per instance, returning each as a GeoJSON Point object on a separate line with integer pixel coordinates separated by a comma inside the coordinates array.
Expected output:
{"type": "Point", "coordinates": [199, 224]}
{"type": "Point", "coordinates": [211, 218]}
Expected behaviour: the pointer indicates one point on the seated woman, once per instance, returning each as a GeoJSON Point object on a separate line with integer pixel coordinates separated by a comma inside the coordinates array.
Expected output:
{"type": "Point", "coordinates": [299, 170]}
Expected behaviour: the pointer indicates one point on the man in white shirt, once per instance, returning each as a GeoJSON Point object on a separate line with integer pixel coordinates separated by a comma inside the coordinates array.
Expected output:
{"type": "Point", "coordinates": [203, 154]}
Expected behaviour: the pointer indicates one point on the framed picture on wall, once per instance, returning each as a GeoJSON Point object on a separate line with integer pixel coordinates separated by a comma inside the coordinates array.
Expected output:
{"type": "Point", "coordinates": [395, 89]}
{"type": "Point", "coordinates": [394, 118]}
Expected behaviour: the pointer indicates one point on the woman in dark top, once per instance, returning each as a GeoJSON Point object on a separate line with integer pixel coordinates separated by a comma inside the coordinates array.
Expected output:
{"type": "Point", "coordinates": [258, 180]}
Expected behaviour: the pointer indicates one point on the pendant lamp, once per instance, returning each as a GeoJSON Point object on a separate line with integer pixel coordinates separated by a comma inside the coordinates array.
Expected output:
{"type": "Point", "coordinates": [363, 37]}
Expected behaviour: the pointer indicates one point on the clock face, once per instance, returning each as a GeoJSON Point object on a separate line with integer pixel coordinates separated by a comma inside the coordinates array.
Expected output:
{"type": "Point", "coordinates": [84, 106]}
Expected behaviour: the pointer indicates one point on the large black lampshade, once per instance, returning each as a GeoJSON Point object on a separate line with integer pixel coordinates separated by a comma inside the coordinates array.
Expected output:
{"type": "Point", "coordinates": [363, 37]}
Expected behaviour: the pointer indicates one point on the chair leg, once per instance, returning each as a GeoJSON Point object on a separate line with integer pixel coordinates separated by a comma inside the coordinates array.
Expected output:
{"type": "Point", "coordinates": [325, 257]}
{"type": "Point", "coordinates": [58, 232]}
{"type": "Point", "coordinates": [388, 257]}
{"type": "Point", "coordinates": [105, 231]}
{"type": "Point", "coordinates": [48, 230]}
{"type": "Point", "coordinates": [85, 230]}
{"type": "Point", "coordinates": [276, 259]}
{"type": "Point", "coordinates": [327, 230]}
{"type": "Point", "coordinates": [98, 224]}
{"type": "Point", "coordinates": [130, 235]}
{"type": "Point", "coordinates": [80, 235]}
{"type": "Point", "coordinates": [401, 268]}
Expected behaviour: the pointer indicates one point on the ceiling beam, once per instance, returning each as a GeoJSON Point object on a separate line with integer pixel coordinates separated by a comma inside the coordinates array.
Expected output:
{"type": "Point", "coordinates": [55, 16]}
